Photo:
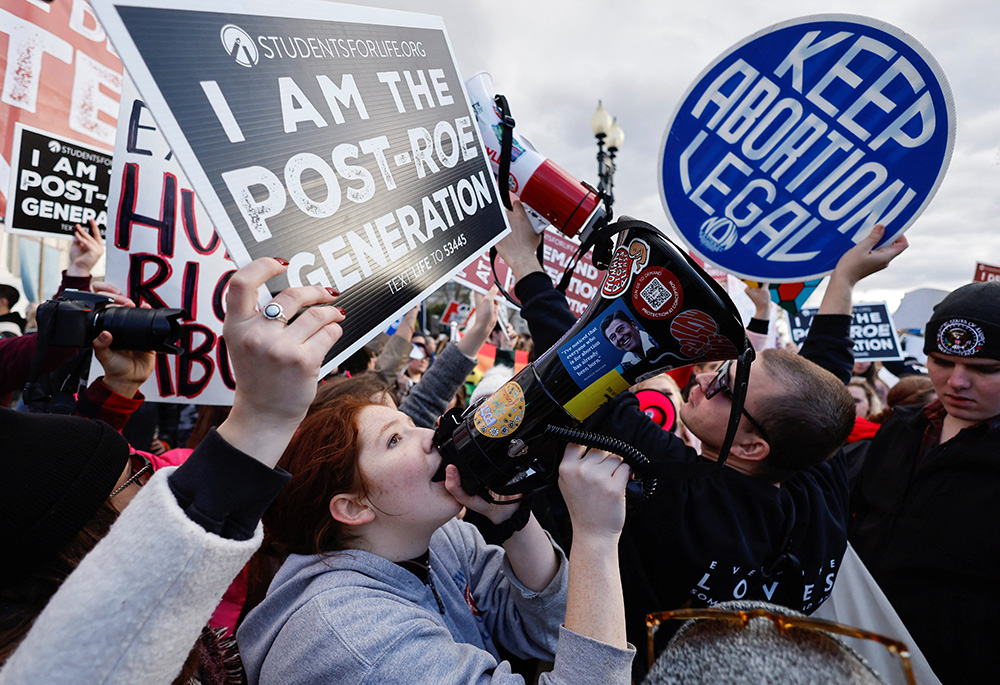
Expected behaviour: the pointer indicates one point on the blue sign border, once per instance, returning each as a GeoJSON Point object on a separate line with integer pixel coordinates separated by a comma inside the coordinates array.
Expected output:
{"type": "Point", "coordinates": [919, 169]}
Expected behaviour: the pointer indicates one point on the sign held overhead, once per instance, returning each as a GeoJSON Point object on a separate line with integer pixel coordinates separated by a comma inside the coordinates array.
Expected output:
{"type": "Point", "coordinates": [872, 332]}
{"type": "Point", "coordinates": [338, 137]}
{"type": "Point", "coordinates": [55, 184]}
{"type": "Point", "coordinates": [793, 144]}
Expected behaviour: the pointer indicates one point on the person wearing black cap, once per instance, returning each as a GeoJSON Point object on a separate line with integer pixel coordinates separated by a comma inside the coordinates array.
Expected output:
{"type": "Point", "coordinates": [137, 603]}
{"type": "Point", "coordinates": [927, 503]}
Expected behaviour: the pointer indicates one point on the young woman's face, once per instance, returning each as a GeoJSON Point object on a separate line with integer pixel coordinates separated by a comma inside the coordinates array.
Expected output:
{"type": "Point", "coordinates": [861, 404]}
{"type": "Point", "coordinates": [399, 462]}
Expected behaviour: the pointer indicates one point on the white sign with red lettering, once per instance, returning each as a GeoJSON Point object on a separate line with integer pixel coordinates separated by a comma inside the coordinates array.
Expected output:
{"type": "Point", "coordinates": [60, 75]}
{"type": "Point", "coordinates": [162, 250]}
{"type": "Point", "coordinates": [557, 252]}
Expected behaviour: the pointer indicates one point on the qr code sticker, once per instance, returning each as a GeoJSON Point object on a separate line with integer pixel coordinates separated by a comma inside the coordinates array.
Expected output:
{"type": "Point", "coordinates": [655, 294]}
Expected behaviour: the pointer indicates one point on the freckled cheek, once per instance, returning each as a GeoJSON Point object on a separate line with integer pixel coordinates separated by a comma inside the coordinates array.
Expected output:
{"type": "Point", "coordinates": [402, 479]}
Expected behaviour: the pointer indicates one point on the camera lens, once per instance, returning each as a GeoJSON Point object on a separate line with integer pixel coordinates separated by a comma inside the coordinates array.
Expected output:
{"type": "Point", "coordinates": [141, 329]}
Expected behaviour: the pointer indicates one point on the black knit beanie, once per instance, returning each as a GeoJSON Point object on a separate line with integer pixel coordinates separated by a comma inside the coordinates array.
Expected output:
{"type": "Point", "coordinates": [966, 322]}
{"type": "Point", "coordinates": [55, 472]}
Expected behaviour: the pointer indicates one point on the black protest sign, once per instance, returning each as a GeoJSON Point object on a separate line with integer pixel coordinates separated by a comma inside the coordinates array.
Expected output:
{"type": "Point", "coordinates": [335, 136]}
{"type": "Point", "coordinates": [872, 332]}
{"type": "Point", "coordinates": [56, 183]}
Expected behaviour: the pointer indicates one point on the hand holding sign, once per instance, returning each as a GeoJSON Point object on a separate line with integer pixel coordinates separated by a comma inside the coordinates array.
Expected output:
{"type": "Point", "coordinates": [864, 259]}
{"type": "Point", "coordinates": [275, 365]}
{"type": "Point", "coordinates": [761, 297]}
{"type": "Point", "coordinates": [479, 330]}
{"type": "Point", "coordinates": [861, 260]}
{"type": "Point", "coordinates": [518, 249]}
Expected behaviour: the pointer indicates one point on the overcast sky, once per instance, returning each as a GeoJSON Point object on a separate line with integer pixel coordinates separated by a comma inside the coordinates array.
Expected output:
{"type": "Point", "coordinates": [554, 59]}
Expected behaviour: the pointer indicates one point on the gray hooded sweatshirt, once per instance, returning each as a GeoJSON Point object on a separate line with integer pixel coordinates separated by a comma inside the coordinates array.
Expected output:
{"type": "Point", "coordinates": [354, 617]}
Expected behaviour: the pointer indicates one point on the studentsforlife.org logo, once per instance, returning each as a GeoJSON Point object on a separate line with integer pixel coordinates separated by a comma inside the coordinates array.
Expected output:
{"type": "Point", "coordinates": [239, 45]}
{"type": "Point", "coordinates": [247, 50]}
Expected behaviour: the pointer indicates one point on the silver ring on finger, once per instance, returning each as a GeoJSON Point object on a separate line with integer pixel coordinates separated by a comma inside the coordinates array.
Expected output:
{"type": "Point", "coordinates": [274, 312]}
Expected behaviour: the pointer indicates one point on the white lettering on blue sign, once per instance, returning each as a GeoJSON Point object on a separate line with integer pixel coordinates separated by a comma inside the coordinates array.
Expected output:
{"type": "Point", "coordinates": [793, 145]}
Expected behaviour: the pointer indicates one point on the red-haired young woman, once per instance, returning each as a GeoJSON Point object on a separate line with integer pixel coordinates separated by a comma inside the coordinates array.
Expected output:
{"type": "Point", "coordinates": [382, 583]}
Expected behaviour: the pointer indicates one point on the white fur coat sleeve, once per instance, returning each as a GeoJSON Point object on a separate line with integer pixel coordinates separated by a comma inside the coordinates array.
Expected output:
{"type": "Point", "coordinates": [135, 606]}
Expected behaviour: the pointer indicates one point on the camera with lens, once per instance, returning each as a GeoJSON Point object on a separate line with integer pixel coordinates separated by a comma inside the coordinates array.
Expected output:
{"type": "Point", "coordinates": [76, 317]}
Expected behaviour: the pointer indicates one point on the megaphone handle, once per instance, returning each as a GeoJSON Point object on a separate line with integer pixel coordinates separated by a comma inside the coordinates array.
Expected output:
{"type": "Point", "coordinates": [633, 457]}
{"type": "Point", "coordinates": [539, 255]}
{"type": "Point", "coordinates": [506, 146]}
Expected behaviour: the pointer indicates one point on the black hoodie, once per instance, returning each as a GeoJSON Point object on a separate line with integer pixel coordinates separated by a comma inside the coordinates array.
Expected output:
{"type": "Point", "coordinates": [727, 535]}
{"type": "Point", "coordinates": [719, 537]}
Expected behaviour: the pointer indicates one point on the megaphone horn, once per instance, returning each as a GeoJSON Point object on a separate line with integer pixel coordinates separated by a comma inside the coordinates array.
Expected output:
{"type": "Point", "coordinates": [550, 194]}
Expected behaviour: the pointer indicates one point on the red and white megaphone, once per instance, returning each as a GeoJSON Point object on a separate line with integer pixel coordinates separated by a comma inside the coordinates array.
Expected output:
{"type": "Point", "coordinates": [550, 194]}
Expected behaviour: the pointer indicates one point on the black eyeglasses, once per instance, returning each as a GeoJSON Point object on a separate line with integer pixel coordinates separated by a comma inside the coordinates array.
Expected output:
{"type": "Point", "coordinates": [721, 384]}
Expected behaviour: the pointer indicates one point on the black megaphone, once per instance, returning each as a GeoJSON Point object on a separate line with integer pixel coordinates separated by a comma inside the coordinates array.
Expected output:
{"type": "Point", "coordinates": [656, 310]}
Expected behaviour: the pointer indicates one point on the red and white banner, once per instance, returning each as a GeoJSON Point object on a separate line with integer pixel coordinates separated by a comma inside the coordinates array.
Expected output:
{"type": "Point", "coordinates": [162, 250]}
{"type": "Point", "coordinates": [456, 312]}
{"type": "Point", "coordinates": [557, 253]}
{"type": "Point", "coordinates": [986, 272]}
{"type": "Point", "coordinates": [60, 75]}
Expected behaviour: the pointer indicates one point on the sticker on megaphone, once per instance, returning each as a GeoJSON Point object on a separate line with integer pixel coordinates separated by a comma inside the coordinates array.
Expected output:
{"type": "Point", "coordinates": [549, 193]}
{"type": "Point", "coordinates": [656, 310]}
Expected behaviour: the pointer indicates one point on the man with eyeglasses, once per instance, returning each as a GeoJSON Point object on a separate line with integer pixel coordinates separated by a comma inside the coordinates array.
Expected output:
{"type": "Point", "coordinates": [770, 525]}
{"type": "Point", "coordinates": [927, 503]}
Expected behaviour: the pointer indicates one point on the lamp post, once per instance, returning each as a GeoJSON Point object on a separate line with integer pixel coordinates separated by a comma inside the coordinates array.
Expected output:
{"type": "Point", "coordinates": [608, 132]}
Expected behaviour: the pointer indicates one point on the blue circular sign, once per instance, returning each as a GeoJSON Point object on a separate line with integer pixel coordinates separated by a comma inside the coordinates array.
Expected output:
{"type": "Point", "coordinates": [792, 145]}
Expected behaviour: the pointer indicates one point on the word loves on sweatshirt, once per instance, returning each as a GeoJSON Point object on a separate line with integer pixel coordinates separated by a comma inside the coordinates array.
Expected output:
{"type": "Point", "coordinates": [722, 582]}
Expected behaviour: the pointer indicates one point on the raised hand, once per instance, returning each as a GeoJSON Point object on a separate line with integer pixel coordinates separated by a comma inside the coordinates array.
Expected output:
{"type": "Point", "coordinates": [761, 298]}
{"type": "Point", "coordinates": [864, 259]}
{"type": "Point", "coordinates": [275, 363]}
{"type": "Point", "coordinates": [518, 249]}
{"type": "Point", "coordinates": [861, 260]}
{"type": "Point", "coordinates": [86, 250]}
{"type": "Point", "coordinates": [487, 310]}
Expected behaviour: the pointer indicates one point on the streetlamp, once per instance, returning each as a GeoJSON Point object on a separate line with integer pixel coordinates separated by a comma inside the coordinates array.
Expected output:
{"type": "Point", "coordinates": [608, 132]}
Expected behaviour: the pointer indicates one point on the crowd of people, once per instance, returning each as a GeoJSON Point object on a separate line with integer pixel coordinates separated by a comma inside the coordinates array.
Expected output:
{"type": "Point", "coordinates": [311, 532]}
